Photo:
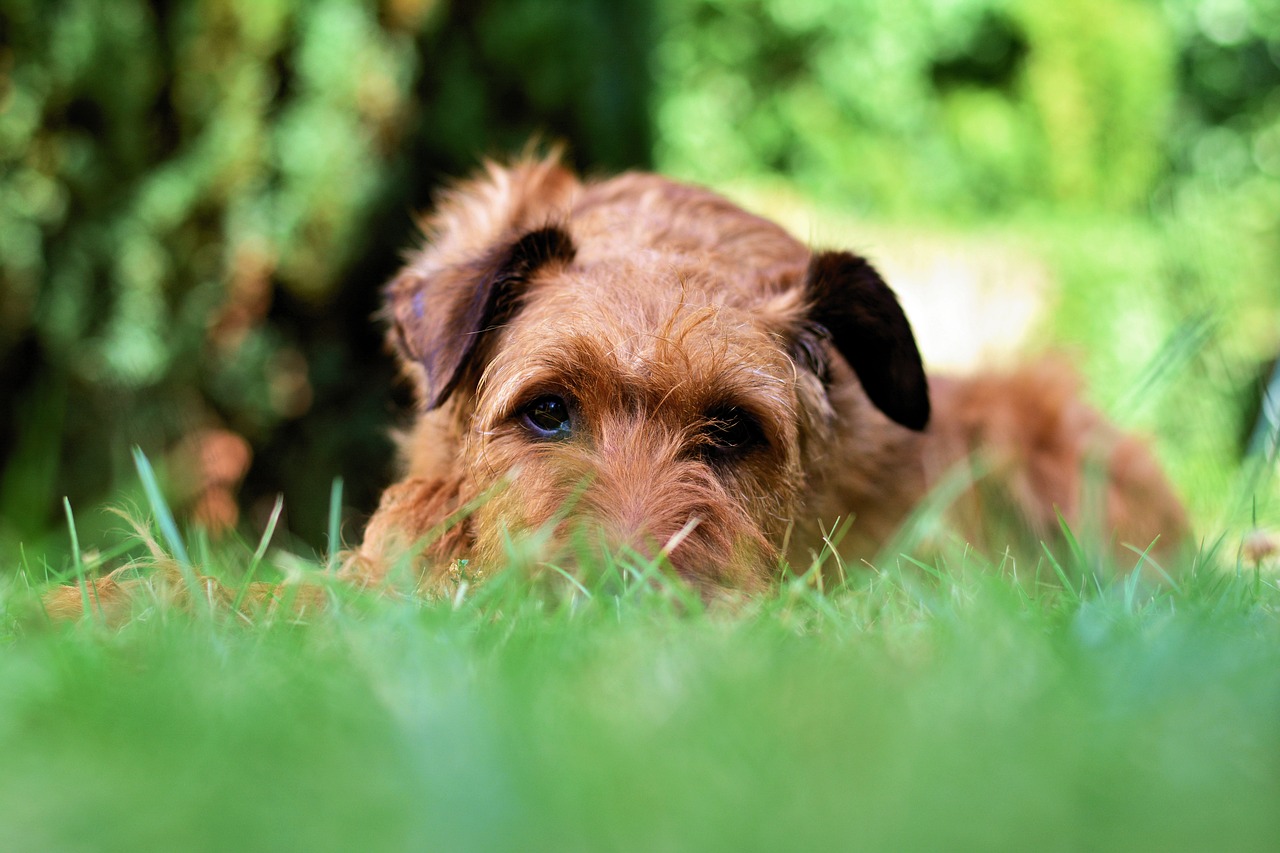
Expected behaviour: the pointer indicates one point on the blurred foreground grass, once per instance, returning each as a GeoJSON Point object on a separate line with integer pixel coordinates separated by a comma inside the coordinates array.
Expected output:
{"type": "Point", "coordinates": [948, 707]}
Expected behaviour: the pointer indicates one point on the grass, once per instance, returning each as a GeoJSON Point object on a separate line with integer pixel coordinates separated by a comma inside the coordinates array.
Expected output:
{"type": "Point", "coordinates": [943, 706]}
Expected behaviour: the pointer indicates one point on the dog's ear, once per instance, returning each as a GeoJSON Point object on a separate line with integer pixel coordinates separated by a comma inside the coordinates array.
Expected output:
{"type": "Point", "coordinates": [438, 318]}
{"type": "Point", "coordinates": [852, 304]}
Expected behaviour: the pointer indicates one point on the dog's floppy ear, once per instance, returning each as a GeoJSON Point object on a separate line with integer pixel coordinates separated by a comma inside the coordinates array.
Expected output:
{"type": "Point", "coordinates": [439, 317]}
{"type": "Point", "coordinates": [851, 303]}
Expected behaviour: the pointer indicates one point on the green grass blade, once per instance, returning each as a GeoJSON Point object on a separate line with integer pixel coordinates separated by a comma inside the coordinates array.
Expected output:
{"type": "Point", "coordinates": [1070, 590]}
{"type": "Point", "coordinates": [168, 527]}
{"type": "Point", "coordinates": [1180, 348]}
{"type": "Point", "coordinates": [160, 509]}
{"type": "Point", "coordinates": [260, 551]}
{"type": "Point", "coordinates": [1089, 565]}
{"type": "Point", "coordinates": [335, 522]}
{"type": "Point", "coordinates": [77, 561]}
{"type": "Point", "coordinates": [574, 582]}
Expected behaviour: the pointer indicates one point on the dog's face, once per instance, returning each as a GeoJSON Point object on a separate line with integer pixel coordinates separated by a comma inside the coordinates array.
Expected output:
{"type": "Point", "coordinates": [628, 381]}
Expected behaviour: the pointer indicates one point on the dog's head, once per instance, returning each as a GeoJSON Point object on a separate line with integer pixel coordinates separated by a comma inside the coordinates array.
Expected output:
{"type": "Point", "coordinates": [641, 359]}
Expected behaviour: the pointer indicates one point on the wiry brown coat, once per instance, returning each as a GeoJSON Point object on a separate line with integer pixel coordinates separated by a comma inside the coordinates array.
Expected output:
{"type": "Point", "coordinates": [729, 393]}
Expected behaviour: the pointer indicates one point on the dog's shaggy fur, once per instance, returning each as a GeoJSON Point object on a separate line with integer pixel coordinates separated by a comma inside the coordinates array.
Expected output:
{"type": "Point", "coordinates": [638, 362]}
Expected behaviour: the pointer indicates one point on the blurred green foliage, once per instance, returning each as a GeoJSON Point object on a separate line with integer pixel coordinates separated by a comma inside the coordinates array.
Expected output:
{"type": "Point", "coordinates": [200, 198]}
{"type": "Point", "coordinates": [964, 106]}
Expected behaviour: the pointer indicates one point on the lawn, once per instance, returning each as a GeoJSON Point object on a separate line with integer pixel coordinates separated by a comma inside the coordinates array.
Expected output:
{"type": "Point", "coordinates": [943, 706]}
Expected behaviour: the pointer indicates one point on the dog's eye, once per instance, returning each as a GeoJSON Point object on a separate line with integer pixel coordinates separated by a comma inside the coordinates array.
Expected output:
{"type": "Point", "coordinates": [729, 431]}
{"type": "Point", "coordinates": [547, 418]}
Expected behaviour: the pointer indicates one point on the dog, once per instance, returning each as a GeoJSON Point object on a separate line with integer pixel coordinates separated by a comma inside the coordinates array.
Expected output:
{"type": "Point", "coordinates": [636, 363]}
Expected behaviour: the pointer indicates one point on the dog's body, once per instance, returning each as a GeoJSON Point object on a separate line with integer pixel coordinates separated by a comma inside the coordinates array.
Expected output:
{"type": "Point", "coordinates": [637, 362]}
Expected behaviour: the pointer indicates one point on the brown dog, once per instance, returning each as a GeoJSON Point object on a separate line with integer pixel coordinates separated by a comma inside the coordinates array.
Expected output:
{"type": "Point", "coordinates": [637, 362]}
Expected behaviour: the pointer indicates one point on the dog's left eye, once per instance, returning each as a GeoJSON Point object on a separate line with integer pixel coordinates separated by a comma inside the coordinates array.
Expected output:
{"type": "Point", "coordinates": [730, 431]}
{"type": "Point", "coordinates": [548, 418]}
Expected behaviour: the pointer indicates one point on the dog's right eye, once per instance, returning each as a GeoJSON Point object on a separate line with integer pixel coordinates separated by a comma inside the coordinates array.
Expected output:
{"type": "Point", "coordinates": [547, 418]}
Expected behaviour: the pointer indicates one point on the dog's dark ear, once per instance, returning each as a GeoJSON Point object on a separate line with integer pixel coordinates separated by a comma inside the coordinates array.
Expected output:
{"type": "Point", "coordinates": [438, 318]}
{"type": "Point", "coordinates": [850, 301]}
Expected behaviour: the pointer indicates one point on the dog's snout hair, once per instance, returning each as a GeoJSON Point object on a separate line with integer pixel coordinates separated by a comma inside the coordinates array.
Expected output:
{"type": "Point", "coordinates": [656, 494]}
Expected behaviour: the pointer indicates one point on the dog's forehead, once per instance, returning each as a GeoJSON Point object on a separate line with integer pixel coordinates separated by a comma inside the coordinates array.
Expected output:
{"type": "Point", "coordinates": [649, 220]}
{"type": "Point", "coordinates": [652, 288]}
{"type": "Point", "coordinates": [628, 330]}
